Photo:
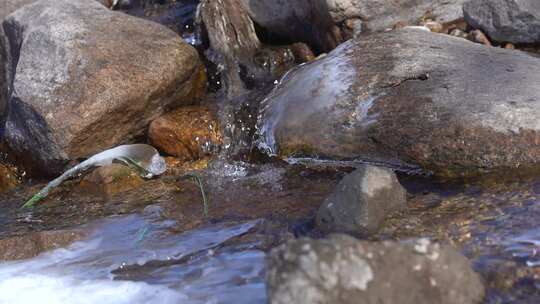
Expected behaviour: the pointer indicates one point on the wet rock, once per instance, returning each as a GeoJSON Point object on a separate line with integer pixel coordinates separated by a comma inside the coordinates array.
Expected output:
{"type": "Point", "coordinates": [32, 244]}
{"type": "Point", "coordinates": [109, 180]}
{"type": "Point", "coordinates": [515, 21]}
{"type": "Point", "coordinates": [361, 201]}
{"type": "Point", "coordinates": [233, 41]}
{"type": "Point", "coordinates": [111, 74]}
{"type": "Point", "coordinates": [342, 269]}
{"type": "Point", "coordinates": [188, 133]}
{"type": "Point", "coordinates": [410, 97]}
{"type": "Point", "coordinates": [8, 178]}
{"type": "Point", "coordinates": [379, 15]}
{"type": "Point", "coordinates": [298, 20]}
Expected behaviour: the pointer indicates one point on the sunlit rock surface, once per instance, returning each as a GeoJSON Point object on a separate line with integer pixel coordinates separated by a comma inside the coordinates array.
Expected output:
{"type": "Point", "coordinates": [344, 270]}
{"type": "Point", "coordinates": [84, 78]}
{"type": "Point", "coordinates": [410, 97]}
{"type": "Point", "coordinates": [188, 133]}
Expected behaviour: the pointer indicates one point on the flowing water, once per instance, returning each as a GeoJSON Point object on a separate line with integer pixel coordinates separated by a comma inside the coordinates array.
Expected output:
{"type": "Point", "coordinates": [135, 259]}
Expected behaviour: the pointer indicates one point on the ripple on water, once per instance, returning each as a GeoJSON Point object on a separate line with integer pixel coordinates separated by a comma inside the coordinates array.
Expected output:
{"type": "Point", "coordinates": [134, 259]}
{"type": "Point", "coordinates": [526, 247]}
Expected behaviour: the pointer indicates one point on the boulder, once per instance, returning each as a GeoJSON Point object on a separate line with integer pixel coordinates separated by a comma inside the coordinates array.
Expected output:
{"type": "Point", "coordinates": [296, 20]}
{"type": "Point", "coordinates": [188, 133]}
{"type": "Point", "coordinates": [344, 270]}
{"type": "Point", "coordinates": [361, 201]}
{"type": "Point", "coordinates": [9, 6]}
{"type": "Point", "coordinates": [514, 21]}
{"type": "Point", "coordinates": [316, 21]}
{"type": "Point", "coordinates": [378, 15]}
{"type": "Point", "coordinates": [410, 98]}
{"type": "Point", "coordinates": [84, 78]}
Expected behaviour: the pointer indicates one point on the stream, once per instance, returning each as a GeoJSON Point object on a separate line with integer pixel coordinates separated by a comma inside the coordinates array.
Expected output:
{"type": "Point", "coordinates": [151, 244]}
{"type": "Point", "coordinates": [133, 259]}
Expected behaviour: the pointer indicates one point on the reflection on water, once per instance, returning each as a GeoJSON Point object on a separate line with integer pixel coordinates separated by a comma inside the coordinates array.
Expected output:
{"type": "Point", "coordinates": [134, 259]}
{"type": "Point", "coordinates": [526, 247]}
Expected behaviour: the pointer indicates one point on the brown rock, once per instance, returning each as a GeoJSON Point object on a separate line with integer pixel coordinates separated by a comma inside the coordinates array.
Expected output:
{"type": "Point", "coordinates": [188, 133]}
{"type": "Point", "coordinates": [30, 245]}
{"type": "Point", "coordinates": [302, 52]}
{"type": "Point", "coordinates": [8, 178]}
{"type": "Point", "coordinates": [400, 24]}
{"type": "Point", "coordinates": [434, 26]}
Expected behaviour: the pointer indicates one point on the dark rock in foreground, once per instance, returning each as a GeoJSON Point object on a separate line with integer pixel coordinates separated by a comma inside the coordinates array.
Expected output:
{"type": "Point", "coordinates": [344, 270]}
{"type": "Point", "coordinates": [410, 97]}
{"type": "Point", "coordinates": [515, 21]}
{"type": "Point", "coordinates": [84, 78]}
{"type": "Point", "coordinates": [361, 201]}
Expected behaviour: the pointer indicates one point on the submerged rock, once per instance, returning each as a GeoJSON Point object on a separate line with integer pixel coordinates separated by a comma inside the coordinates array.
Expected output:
{"type": "Point", "coordinates": [410, 97]}
{"type": "Point", "coordinates": [112, 179]}
{"type": "Point", "coordinates": [344, 270]}
{"type": "Point", "coordinates": [189, 133]}
{"type": "Point", "coordinates": [83, 78]}
{"type": "Point", "coordinates": [515, 21]}
{"type": "Point", "coordinates": [361, 201]}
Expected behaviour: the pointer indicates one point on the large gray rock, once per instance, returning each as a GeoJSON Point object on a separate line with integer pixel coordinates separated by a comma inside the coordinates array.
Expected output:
{"type": "Point", "coordinates": [314, 21]}
{"type": "Point", "coordinates": [9, 6]}
{"type": "Point", "coordinates": [344, 270]}
{"type": "Point", "coordinates": [410, 97]}
{"type": "Point", "coordinates": [84, 78]}
{"type": "Point", "coordinates": [361, 201]}
{"type": "Point", "coordinates": [379, 15]}
{"type": "Point", "coordinates": [515, 21]}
